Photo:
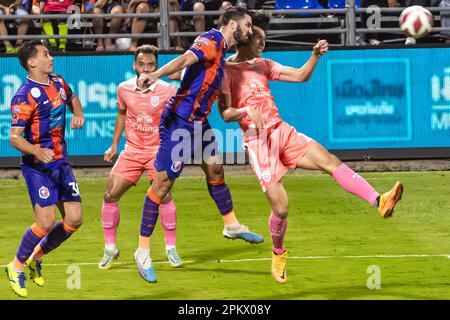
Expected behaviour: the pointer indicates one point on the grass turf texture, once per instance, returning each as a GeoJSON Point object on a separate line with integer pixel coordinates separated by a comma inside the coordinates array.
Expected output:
{"type": "Point", "coordinates": [324, 220]}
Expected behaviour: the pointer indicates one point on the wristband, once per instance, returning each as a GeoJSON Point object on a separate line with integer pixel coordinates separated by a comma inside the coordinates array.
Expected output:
{"type": "Point", "coordinates": [243, 111]}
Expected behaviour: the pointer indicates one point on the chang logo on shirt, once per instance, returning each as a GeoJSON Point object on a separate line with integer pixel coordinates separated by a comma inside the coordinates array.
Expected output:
{"type": "Point", "coordinates": [144, 123]}
{"type": "Point", "coordinates": [258, 89]}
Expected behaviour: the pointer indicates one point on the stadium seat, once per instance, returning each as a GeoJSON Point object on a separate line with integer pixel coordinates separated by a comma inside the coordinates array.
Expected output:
{"type": "Point", "coordinates": [297, 5]}
{"type": "Point", "coordinates": [340, 4]}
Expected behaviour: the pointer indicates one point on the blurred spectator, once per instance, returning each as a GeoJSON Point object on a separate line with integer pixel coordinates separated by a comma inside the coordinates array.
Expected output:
{"type": "Point", "coordinates": [149, 6]}
{"type": "Point", "coordinates": [18, 8]}
{"type": "Point", "coordinates": [112, 7]}
{"type": "Point", "coordinates": [55, 7]}
{"type": "Point", "coordinates": [445, 17]}
{"type": "Point", "coordinates": [4, 32]}
{"type": "Point", "coordinates": [202, 5]}
{"type": "Point", "coordinates": [251, 4]}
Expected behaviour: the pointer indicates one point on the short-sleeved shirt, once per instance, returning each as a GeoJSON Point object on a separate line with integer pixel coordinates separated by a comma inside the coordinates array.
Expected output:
{"type": "Point", "coordinates": [144, 109]}
{"type": "Point", "coordinates": [248, 85]}
{"type": "Point", "coordinates": [201, 83]}
{"type": "Point", "coordinates": [40, 108]}
{"type": "Point", "coordinates": [56, 5]}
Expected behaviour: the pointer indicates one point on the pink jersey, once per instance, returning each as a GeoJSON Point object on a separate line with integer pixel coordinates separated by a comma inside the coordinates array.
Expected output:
{"type": "Point", "coordinates": [144, 109]}
{"type": "Point", "coordinates": [56, 5]}
{"type": "Point", "coordinates": [248, 84]}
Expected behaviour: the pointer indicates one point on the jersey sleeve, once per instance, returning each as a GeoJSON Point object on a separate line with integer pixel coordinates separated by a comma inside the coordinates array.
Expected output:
{"type": "Point", "coordinates": [204, 49]}
{"type": "Point", "coordinates": [226, 82]}
{"type": "Point", "coordinates": [120, 99]}
{"type": "Point", "coordinates": [273, 69]}
{"type": "Point", "coordinates": [68, 90]}
{"type": "Point", "coordinates": [21, 111]}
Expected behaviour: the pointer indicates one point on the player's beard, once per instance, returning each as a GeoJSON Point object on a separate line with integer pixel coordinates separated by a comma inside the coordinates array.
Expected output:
{"type": "Point", "coordinates": [238, 35]}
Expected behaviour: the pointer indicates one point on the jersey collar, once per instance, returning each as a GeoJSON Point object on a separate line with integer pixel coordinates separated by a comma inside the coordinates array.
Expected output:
{"type": "Point", "coordinates": [151, 88]}
{"type": "Point", "coordinates": [226, 43]}
{"type": "Point", "coordinates": [41, 83]}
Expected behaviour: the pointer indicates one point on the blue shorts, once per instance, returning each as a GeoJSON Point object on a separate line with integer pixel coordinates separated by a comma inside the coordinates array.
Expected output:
{"type": "Point", "coordinates": [183, 142]}
{"type": "Point", "coordinates": [48, 186]}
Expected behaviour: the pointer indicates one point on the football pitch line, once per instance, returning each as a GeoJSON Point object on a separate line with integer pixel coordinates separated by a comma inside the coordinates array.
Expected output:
{"type": "Point", "coordinates": [397, 256]}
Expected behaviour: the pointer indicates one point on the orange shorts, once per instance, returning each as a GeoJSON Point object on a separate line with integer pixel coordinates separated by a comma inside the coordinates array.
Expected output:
{"type": "Point", "coordinates": [273, 151]}
{"type": "Point", "coordinates": [131, 165]}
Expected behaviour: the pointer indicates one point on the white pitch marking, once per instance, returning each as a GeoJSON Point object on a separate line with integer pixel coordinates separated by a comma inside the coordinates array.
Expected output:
{"type": "Point", "coordinates": [397, 256]}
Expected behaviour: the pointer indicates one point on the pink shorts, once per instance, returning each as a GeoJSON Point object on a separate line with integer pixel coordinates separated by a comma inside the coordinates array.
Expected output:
{"type": "Point", "coordinates": [131, 165]}
{"type": "Point", "coordinates": [273, 151]}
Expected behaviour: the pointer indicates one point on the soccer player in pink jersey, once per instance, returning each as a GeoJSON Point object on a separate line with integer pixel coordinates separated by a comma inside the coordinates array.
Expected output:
{"type": "Point", "coordinates": [138, 114]}
{"type": "Point", "coordinates": [274, 146]}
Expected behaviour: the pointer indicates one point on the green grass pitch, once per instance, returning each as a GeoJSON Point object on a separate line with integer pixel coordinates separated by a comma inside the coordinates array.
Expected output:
{"type": "Point", "coordinates": [333, 239]}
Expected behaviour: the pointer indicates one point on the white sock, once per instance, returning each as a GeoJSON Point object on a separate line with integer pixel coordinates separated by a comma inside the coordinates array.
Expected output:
{"type": "Point", "coordinates": [168, 247]}
{"type": "Point", "coordinates": [143, 256]}
{"type": "Point", "coordinates": [110, 247]}
{"type": "Point", "coordinates": [234, 227]}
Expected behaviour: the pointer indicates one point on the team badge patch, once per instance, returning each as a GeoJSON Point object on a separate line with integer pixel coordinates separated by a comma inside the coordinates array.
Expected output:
{"type": "Point", "coordinates": [35, 92]}
{"type": "Point", "coordinates": [176, 166]}
{"type": "Point", "coordinates": [266, 176]}
{"type": "Point", "coordinates": [155, 101]}
{"type": "Point", "coordinates": [63, 94]}
{"type": "Point", "coordinates": [44, 193]}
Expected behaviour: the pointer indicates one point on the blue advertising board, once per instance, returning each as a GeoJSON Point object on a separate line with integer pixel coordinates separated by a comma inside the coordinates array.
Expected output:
{"type": "Point", "coordinates": [356, 99]}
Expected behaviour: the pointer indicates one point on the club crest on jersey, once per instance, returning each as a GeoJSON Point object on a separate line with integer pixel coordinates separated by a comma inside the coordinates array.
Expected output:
{"type": "Point", "coordinates": [155, 101]}
{"type": "Point", "coordinates": [266, 176]}
{"type": "Point", "coordinates": [44, 193]}
{"type": "Point", "coordinates": [63, 94]}
{"type": "Point", "coordinates": [176, 166]}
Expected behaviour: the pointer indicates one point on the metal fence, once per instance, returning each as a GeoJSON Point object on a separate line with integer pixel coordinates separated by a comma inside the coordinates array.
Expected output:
{"type": "Point", "coordinates": [342, 22]}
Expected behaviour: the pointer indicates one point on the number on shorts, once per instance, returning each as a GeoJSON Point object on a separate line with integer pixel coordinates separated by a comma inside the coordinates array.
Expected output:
{"type": "Point", "coordinates": [76, 191]}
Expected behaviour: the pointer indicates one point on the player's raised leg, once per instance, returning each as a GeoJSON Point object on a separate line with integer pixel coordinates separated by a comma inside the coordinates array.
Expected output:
{"type": "Point", "coordinates": [116, 187]}
{"type": "Point", "coordinates": [60, 232]}
{"type": "Point", "coordinates": [278, 200]}
{"type": "Point", "coordinates": [44, 221]}
{"type": "Point", "coordinates": [221, 195]}
{"type": "Point", "coordinates": [319, 158]}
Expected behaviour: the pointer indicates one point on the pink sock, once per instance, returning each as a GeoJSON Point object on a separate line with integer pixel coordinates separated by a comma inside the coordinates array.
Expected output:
{"type": "Point", "coordinates": [110, 220]}
{"type": "Point", "coordinates": [168, 213]}
{"type": "Point", "coordinates": [277, 230]}
{"type": "Point", "coordinates": [354, 183]}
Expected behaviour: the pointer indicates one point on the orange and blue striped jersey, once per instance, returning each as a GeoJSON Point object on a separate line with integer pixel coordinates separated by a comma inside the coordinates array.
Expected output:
{"type": "Point", "coordinates": [40, 108]}
{"type": "Point", "coordinates": [202, 80]}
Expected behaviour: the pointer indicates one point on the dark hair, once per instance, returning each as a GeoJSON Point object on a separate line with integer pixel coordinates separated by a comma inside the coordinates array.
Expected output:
{"type": "Point", "coordinates": [148, 49]}
{"type": "Point", "coordinates": [233, 13]}
{"type": "Point", "coordinates": [28, 50]}
{"type": "Point", "coordinates": [261, 18]}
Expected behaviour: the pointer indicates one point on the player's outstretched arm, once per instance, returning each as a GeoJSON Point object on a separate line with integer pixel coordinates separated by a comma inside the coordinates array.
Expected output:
{"type": "Point", "coordinates": [118, 131]}
{"type": "Point", "coordinates": [17, 141]}
{"type": "Point", "coordinates": [229, 113]}
{"type": "Point", "coordinates": [304, 73]}
{"type": "Point", "coordinates": [177, 64]}
{"type": "Point", "coordinates": [77, 109]}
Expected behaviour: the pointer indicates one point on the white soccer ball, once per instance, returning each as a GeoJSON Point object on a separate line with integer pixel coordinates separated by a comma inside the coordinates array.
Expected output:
{"type": "Point", "coordinates": [123, 44]}
{"type": "Point", "coordinates": [416, 21]}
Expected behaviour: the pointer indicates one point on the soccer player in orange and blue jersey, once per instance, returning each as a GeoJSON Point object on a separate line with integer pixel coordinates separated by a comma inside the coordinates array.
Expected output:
{"type": "Point", "coordinates": [273, 145]}
{"type": "Point", "coordinates": [185, 118]}
{"type": "Point", "coordinates": [37, 130]}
